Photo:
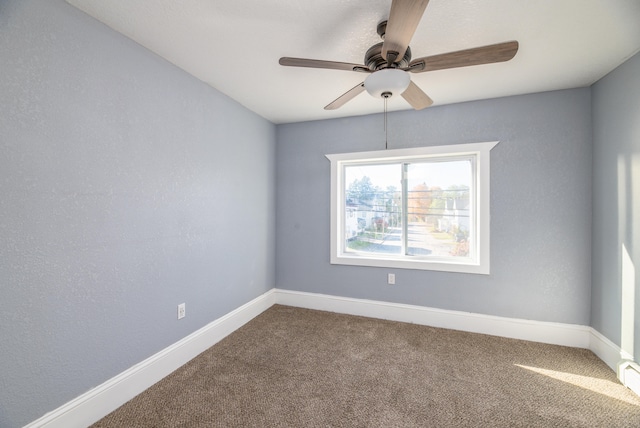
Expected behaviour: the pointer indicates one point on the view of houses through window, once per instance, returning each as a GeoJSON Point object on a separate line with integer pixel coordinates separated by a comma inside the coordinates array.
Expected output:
{"type": "Point", "coordinates": [410, 208]}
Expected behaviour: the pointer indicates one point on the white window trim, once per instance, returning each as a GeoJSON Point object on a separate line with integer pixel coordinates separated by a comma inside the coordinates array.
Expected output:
{"type": "Point", "coordinates": [481, 265]}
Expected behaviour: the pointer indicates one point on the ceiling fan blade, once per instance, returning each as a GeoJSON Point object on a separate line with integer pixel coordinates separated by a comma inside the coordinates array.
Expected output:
{"type": "Point", "coordinates": [404, 18]}
{"type": "Point", "coordinates": [416, 97]}
{"type": "Point", "coordinates": [318, 63]}
{"type": "Point", "coordinates": [475, 56]}
{"type": "Point", "coordinates": [347, 96]}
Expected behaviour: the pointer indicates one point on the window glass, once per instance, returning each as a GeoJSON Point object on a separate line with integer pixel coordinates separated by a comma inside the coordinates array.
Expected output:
{"type": "Point", "coordinates": [373, 208]}
{"type": "Point", "coordinates": [439, 214]}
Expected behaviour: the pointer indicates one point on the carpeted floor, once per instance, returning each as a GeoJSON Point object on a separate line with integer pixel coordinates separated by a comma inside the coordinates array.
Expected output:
{"type": "Point", "coordinates": [293, 367]}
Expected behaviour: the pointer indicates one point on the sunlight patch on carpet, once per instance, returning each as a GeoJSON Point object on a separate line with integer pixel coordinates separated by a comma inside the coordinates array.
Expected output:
{"type": "Point", "coordinates": [600, 386]}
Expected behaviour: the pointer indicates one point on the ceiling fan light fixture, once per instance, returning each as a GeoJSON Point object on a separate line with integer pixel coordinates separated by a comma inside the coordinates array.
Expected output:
{"type": "Point", "coordinates": [389, 80]}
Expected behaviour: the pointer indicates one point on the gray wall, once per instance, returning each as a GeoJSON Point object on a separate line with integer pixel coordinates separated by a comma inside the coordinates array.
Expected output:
{"type": "Point", "coordinates": [616, 206]}
{"type": "Point", "coordinates": [540, 206]}
{"type": "Point", "coordinates": [127, 188]}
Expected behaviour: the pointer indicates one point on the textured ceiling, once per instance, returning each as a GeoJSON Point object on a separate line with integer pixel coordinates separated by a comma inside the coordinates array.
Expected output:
{"type": "Point", "coordinates": [234, 45]}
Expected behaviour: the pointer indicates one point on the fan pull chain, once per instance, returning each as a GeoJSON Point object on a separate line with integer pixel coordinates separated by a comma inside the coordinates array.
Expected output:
{"type": "Point", "coordinates": [386, 133]}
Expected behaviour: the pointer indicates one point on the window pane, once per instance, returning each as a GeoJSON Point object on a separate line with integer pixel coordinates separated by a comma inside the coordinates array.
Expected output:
{"type": "Point", "coordinates": [439, 219]}
{"type": "Point", "coordinates": [372, 217]}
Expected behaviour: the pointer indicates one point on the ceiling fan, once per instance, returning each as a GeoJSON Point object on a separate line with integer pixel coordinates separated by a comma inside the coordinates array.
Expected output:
{"type": "Point", "coordinates": [389, 62]}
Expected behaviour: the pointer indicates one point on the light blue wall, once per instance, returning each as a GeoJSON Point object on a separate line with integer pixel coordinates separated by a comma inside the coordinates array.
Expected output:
{"type": "Point", "coordinates": [540, 206]}
{"type": "Point", "coordinates": [127, 188]}
{"type": "Point", "coordinates": [616, 206]}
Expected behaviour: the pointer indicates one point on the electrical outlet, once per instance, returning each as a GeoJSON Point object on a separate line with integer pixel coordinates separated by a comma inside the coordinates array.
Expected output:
{"type": "Point", "coordinates": [391, 278]}
{"type": "Point", "coordinates": [181, 310]}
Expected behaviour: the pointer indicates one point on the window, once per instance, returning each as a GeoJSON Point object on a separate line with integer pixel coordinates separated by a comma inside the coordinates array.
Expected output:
{"type": "Point", "coordinates": [421, 208]}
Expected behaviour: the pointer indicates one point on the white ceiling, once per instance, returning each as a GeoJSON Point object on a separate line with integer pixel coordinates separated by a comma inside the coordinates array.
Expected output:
{"type": "Point", "coordinates": [234, 45]}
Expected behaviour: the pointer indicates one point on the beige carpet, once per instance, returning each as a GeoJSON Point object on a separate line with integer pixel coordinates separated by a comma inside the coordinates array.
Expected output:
{"type": "Point", "coordinates": [294, 367]}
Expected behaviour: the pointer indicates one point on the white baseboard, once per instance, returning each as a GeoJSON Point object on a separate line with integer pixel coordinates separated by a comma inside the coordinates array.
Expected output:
{"type": "Point", "coordinates": [537, 331]}
{"type": "Point", "coordinates": [102, 400]}
{"type": "Point", "coordinates": [606, 350]}
{"type": "Point", "coordinates": [629, 375]}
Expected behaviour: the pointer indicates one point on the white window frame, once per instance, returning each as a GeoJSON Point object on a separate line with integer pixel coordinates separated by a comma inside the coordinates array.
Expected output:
{"type": "Point", "coordinates": [478, 264]}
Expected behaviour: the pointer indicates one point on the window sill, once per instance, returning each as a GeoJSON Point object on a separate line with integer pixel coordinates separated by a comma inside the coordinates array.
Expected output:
{"type": "Point", "coordinates": [418, 264]}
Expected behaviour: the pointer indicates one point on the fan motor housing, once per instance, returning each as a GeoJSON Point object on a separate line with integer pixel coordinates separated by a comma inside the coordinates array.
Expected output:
{"type": "Point", "coordinates": [374, 61]}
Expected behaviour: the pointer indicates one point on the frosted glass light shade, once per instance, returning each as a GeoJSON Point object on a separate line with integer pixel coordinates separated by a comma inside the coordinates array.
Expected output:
{"type": "Point", "coordinates": [387, 80]}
